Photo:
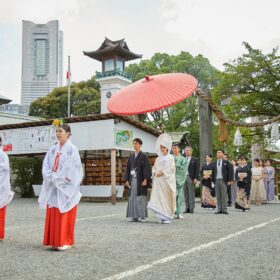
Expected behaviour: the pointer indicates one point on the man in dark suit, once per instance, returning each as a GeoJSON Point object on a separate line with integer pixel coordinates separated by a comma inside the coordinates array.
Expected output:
{"type": "Point", "coordinates": [225, 157]}
{"type": "Point", "coordinates": [222, 177]}
{"type": "Point", "coordinates": [192, 177]}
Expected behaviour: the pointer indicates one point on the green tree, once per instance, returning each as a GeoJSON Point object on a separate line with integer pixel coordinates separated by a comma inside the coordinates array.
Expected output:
{"type": "Point", "coordinates": [250, 87]}
{"type": "Point", "coordinates": [26, 171]}
{"type": "Point", "coordinates": [85, 100]}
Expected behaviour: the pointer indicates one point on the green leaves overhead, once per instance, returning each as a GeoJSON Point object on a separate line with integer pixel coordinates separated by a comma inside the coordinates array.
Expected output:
{"type": "Point", "coordinates": [250, 85]}
{"type": "Point", "coordinates": [85, 100]}
{"type": "Point", "coordinates": [160, 63]}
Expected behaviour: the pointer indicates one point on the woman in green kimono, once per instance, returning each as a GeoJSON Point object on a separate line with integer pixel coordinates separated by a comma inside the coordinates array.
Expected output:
{"type": "Point", "coordinates": [181, 174]}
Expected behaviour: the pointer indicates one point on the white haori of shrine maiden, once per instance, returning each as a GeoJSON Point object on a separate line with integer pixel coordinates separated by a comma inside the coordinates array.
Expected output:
{"type": "Point", "coordinates": [6, 195]}
{"type": "Point", "coordinates": [61, 189]}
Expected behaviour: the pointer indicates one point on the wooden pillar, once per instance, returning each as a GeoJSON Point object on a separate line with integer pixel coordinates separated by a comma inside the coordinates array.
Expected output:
{"type": "Point", "coordinates": [257, 148]}
{"type": "Point", "coordinates": [85, 168]}
{"type": "Point", "coordinates": [113, 176]}
{"type": "Point", "coordinates": [205, 129]}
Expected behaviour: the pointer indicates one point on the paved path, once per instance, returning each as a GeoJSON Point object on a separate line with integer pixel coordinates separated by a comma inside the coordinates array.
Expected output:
{"type": "Point", "coordinates": [202, 246]}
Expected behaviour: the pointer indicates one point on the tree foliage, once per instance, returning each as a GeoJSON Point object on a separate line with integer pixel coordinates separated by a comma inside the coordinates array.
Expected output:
{"type": "Point", "coordinates": [250, 87]}
{"type": "Point", "coordinates": [26, 172]}
{"type": "Point", "coordinates": [85, 100]}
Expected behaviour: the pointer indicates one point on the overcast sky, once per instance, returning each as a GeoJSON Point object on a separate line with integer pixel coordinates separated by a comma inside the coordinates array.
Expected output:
{"type": "Point", "coordinates": [213, 28]}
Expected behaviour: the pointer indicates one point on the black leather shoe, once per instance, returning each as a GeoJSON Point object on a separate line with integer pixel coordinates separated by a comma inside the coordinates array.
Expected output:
{"type": "Point", "coordinates": [219, 212]}
{"type": "Point", "coordinates": [187, 211]}
{"type": "Point", "coordinates": [225, 212]}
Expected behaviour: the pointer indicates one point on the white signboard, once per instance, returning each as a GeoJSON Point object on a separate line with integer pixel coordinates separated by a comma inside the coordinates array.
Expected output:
{"type": "Point", "coordinates": [28, 140]}
{"type": "Point", "coordinates": [87, 136]}
{"type": "Point", "coordinates": [35, 139]}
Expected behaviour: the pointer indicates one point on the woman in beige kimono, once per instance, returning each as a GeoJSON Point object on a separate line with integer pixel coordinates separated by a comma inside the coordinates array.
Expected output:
{"type": "Point", "coordinates": [258, 193]}
{"type": "Point", "coordinates": [163, 197]}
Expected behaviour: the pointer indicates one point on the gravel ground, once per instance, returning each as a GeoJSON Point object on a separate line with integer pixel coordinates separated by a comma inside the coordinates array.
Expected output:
{"type": "Point", "coordinates": [107, 245]}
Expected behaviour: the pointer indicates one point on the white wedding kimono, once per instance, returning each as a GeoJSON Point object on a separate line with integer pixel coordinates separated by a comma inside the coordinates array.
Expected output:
{"type": "Point", "coordinates": [6, 195]}
{"type": "Point", "coordinates": [61, 189]}
{"type": "Point", "coordinates": [163, 197]}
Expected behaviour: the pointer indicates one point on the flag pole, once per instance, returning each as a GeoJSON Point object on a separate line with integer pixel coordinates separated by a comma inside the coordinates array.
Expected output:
{"type": "Point", "coordinates": [69, 81]}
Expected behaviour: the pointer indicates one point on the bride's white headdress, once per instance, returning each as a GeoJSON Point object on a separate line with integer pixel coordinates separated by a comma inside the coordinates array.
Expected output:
{"type": "Point", "coordinates": [165, 140]}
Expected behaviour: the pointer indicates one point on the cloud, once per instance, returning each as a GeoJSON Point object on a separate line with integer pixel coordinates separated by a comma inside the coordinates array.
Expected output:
{"type": "Point", "coordinates": [217, 28]}
{"type": "Point", "coordinates": [13, 11]}
{"type": "Point", "coordinates": [213, 28]}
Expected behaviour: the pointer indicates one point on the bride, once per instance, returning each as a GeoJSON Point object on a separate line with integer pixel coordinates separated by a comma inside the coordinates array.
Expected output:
{"type": "Point", "coordinates": [163, 196]}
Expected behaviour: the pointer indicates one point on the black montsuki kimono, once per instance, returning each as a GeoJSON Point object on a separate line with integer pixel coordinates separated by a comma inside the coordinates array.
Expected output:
{"type": "Point", "coordinates": [244, 187]}
{"type": "Point", "coordinates": [208, 191]}
{"type": "Point", "coordinates": [142, 167]}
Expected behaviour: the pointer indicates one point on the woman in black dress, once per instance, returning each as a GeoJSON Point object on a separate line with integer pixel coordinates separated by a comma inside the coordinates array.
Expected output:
{"type": "Point", "coordinates": [243, 177]}
{"type": "Point", "coordinates": [208, 199]}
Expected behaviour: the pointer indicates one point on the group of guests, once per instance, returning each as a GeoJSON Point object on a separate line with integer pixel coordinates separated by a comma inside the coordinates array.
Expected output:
{"type": "Point", "coordinates": [173, 178]}
{"type": "Point", "coordinates": [248, 184]}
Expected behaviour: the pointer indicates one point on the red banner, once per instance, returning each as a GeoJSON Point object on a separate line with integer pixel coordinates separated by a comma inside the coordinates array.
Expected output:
{"type": "Point", "coordinates": [8, 148]}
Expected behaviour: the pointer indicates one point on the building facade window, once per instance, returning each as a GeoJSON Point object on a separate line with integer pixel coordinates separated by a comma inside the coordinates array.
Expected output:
{"type": "Point", "coordinates": [119, 64]}
{"type": "Point", "coordinates": [41, 57]}
{"type": "Point", "coordinates": [109, 65]}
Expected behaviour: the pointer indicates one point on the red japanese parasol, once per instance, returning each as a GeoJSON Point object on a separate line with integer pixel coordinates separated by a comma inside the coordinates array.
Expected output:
{"type": "Point", "coordinates": [152, 93]}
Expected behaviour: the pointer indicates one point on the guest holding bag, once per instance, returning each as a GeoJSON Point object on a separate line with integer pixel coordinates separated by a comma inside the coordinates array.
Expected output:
{"type": "Point", "coordinates": [243, 177]}
{"type": "Point", "coordinates": [258, 194]}
{"type": "Point", "coordinates": [208, 197]}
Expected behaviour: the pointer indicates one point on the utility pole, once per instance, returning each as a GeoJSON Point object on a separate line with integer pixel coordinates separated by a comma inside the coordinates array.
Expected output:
{"type": "Point", "coordinates": [69, 83]}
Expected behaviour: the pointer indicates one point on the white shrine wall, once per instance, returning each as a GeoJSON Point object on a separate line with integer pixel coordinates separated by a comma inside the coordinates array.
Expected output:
{"type": "Point", "coordinates": [90, 135]}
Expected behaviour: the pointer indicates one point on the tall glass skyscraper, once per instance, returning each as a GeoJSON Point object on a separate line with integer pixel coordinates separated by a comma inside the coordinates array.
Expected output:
{"type": "Point", "coordinates": [42, 60]}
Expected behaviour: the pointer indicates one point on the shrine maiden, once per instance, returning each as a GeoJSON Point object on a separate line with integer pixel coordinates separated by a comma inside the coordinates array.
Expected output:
{"type": "Point", "coordinates": [60, 194]}
{"type": "Point", "coordinates": [6, 195]}
{"type": "Point", "coordinates": [163, 197]}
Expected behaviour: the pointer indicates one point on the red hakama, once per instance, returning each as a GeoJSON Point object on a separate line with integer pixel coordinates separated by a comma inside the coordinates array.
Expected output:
{"type": "Point", "coordinates": [59, 227]}
{"type": "Point", "coordinates": [2, 222]}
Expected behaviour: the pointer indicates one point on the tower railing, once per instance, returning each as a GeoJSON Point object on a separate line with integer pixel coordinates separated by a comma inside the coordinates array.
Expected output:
{"type": "Point", "coordinates": [116, 72]}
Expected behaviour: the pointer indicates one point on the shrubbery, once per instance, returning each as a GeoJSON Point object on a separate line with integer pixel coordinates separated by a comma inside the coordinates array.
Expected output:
{"type": "Point", "coordinates": [26, 171]}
